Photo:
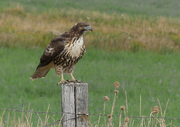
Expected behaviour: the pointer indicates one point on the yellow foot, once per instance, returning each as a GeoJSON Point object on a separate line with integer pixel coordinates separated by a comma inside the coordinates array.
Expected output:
{"type": "Point", "coordinates": [75, 81]}
{"type": "Point", "coordinates": [62, 82]}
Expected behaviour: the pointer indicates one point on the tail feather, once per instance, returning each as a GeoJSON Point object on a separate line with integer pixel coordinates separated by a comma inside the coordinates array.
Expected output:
{"type": "Point", "coordinates": [39, 73]}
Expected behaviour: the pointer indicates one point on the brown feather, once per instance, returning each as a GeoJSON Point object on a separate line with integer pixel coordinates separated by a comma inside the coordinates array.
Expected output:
{"type": "Point", "coordinates": [42, 71]}
{"type": "Point", "coordinates": [47, 57]}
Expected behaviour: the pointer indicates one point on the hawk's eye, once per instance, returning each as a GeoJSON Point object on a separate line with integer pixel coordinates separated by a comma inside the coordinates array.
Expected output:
{"type": "Point", "coordinates": [85, 25]}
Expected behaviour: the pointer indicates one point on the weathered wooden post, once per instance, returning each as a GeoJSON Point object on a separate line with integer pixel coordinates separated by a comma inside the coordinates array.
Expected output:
{"type": "Point", "coordinates": [74, 101]}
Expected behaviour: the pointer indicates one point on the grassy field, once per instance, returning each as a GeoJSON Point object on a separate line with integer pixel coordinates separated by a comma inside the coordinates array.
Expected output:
{"type": "Point", "coordinates": [133, 7]}
{"type": "Point", "coordinates": [112, 32]}
{"type": "Point", "coordinates": [149, 75]}
{"type": "Point", "coordinates": [134, 42]}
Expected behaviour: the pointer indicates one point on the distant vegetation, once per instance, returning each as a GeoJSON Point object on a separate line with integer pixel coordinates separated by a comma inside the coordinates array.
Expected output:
{"type": "Point", "coordinates": [111, 32]}
{"type": "Point", "coordinates": [166, 8]}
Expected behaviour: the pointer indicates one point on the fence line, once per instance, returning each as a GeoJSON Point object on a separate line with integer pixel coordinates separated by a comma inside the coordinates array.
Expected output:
{"type": "Point", "coordinates": [16, 110]}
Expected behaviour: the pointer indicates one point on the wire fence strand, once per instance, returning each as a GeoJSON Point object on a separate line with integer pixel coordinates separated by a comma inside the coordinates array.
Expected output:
{"type": "Point", "coordinates": [82, 114]}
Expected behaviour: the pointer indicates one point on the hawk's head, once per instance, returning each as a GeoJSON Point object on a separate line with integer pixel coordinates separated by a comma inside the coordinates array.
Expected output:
{"type": "Point", "coordinates": [81, 27]}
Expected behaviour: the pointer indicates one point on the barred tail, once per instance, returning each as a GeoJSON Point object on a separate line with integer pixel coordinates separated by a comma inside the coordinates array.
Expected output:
{"type": "Point", "coordinates": [39, 73]}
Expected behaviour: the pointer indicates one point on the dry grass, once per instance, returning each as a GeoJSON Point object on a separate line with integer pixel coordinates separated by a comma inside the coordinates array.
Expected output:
{"type": "Point", "coordinates": [145, 121]}
{"type": "Point", "coordinates": [111, 32]}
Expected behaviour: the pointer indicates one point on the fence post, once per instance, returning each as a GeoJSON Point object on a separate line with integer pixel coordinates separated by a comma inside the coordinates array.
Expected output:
{"type": "Point", "coordinates": [74, 101]}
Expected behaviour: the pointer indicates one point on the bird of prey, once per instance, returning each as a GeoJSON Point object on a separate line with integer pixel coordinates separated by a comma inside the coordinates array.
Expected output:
{"type": "Point", "coordinates": [63, 53]}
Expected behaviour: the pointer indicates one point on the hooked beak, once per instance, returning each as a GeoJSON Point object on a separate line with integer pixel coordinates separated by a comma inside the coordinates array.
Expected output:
{"type": "Point", "coordinates": [89, 28]}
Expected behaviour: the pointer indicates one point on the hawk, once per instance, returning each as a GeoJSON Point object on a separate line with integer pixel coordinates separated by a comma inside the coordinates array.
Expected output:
{"type": "Point", "coordinates": [63, 53]}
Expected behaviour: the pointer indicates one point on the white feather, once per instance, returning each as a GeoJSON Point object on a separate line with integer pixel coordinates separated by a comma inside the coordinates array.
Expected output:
{"type": "Point", "coordinates": [49, 51]}
{"type": "Point", "coordinates": [75, 49]}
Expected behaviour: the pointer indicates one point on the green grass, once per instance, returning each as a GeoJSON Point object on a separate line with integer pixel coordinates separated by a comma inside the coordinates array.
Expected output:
{"type": "Point", "coordinates": [143, 73]}
{"type": "Point", "coordinates": [133, 7]}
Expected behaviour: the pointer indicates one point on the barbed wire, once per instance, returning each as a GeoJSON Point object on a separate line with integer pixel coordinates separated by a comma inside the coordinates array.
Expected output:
{"type": "Point", "coordinates": [56, 122]}
{"type": "Point", "coordinates": [83, 114]}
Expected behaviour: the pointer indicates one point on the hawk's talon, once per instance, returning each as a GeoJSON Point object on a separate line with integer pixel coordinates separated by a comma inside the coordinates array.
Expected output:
{"type": "Point", "coordinates": [63, 82]}
{"type": "Point", "coordinates": [75, 81]}
{"type": "Point", "coordinates": [78, 81]}
{"type": "Point", "coordinates": [68, 81]}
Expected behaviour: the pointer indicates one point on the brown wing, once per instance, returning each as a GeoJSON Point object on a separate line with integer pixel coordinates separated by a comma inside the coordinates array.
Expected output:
{"type": "Point", "coordinates": [52, 50]}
